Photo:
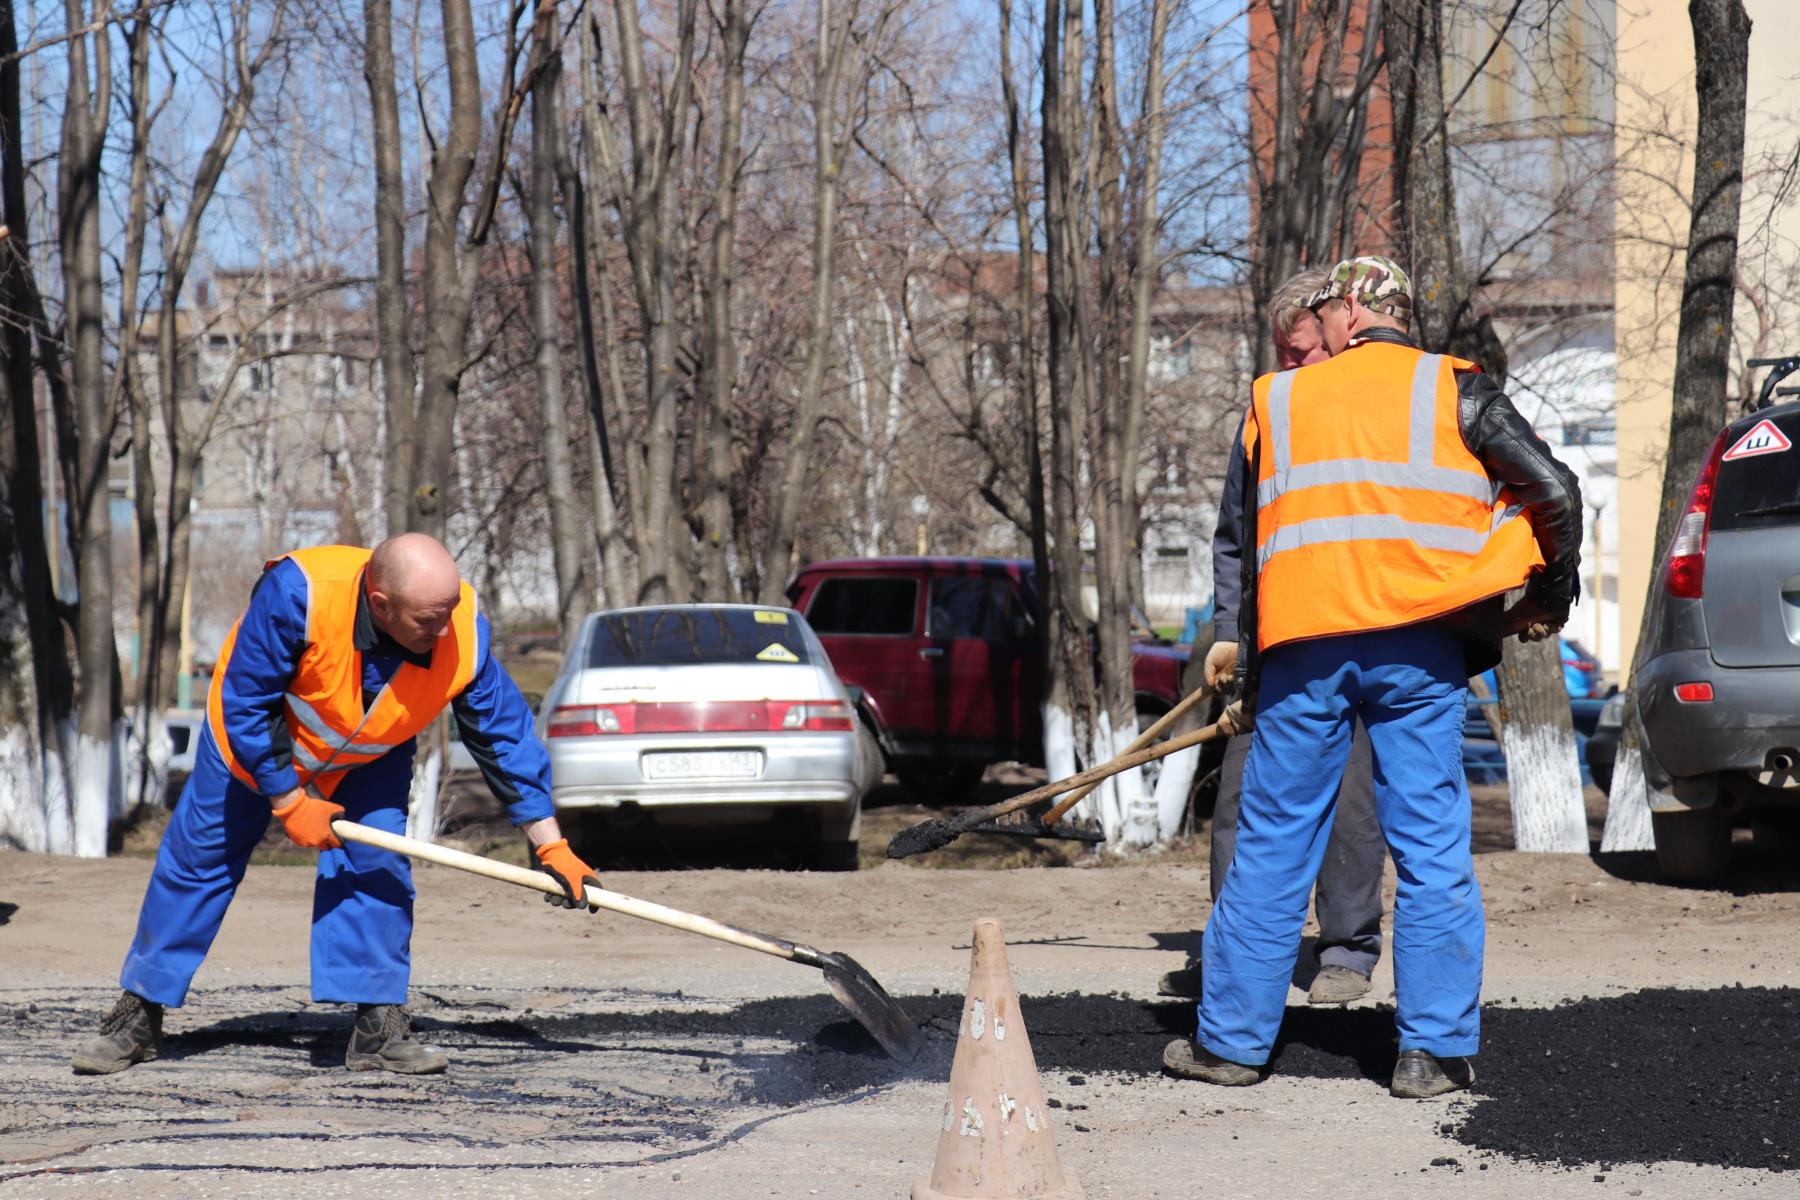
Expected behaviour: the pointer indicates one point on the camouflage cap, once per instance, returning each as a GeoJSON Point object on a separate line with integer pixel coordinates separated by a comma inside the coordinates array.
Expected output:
{"type": "Point", "coordinates": [1373, 281]}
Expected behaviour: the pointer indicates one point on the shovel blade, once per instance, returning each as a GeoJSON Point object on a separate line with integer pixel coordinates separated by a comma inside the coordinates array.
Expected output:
{"type": "Point", "coordinates": [873, 1008]}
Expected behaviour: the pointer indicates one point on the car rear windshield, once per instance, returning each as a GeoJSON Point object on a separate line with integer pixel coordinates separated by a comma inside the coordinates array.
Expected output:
{"type": "Point", "coordinates": [1761, 490]}
{"type": "Point", "coordinates": [684, 637]}
{"type": "Point", "coordinates": [865, 606]}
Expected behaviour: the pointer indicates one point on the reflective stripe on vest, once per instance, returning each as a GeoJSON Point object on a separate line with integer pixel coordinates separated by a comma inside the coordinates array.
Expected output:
{"type": "Point", "coordinates": [1389, 519]}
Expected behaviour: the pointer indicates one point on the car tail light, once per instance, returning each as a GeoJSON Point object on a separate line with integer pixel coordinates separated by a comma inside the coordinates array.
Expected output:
{"type": "Point", "coordinates": [819, 718]}
{"type": "Point", "coordinates": [1687, 554]}
{"type": "Point", "coordinates": [1694, 693]}
{"type": "Point", "coordinates": [700, 716]}
{"type": "Point", "coordinates": [581, 720]}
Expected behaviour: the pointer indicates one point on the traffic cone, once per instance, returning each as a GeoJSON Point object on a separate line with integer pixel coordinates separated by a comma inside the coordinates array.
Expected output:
{"type": "Point", "coordinates": [996, 1140]}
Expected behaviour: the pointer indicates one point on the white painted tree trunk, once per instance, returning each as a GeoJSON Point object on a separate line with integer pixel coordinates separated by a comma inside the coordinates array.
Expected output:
{"type": "Point", "coordinates": [1628, 803]}
{"type": "Point", "coordinates": [1544, 782]}
{"type": "Point", "coordinates": [422, 803]}
{"type": "Point", "coordinates": [147, 759]}
{"type": "Point", "coordinates": [97, 794]}
{"type": "Point", "coordinates": [1173, 784]}
{"type": "Point", "coordinates": [1138, 826]}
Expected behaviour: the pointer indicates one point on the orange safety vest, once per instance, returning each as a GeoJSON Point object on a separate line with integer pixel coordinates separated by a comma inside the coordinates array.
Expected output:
{"type": "Point", "coordinates": [1371, 512]}
{"type": "Point", "coordinates": [331, 732]}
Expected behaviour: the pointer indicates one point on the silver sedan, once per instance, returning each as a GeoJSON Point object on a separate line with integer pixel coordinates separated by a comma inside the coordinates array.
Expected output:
{"type": "Point", "coordinates": [703, 714]}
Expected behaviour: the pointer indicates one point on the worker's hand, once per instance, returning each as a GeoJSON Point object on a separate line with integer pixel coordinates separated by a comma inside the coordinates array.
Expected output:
{"type": "Point", "coordinates": [307, 817]}
{"type": "Point", "coordinates": [1236, 719]}
{"type": "Point", "coordinates": [566, 867]}
{"type": "Point", "coordinates": [1221, 661]}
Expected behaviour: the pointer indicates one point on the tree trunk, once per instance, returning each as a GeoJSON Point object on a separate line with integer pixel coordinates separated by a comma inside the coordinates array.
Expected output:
{"type": "Point", "coordinates": [96, 791]}
{"type": "Point", "coordinates": [585, 223]}
{"type": "Point", "coordinates": [398, 384]}
{"type": "Point", "coordinates": [1444, 308]}
{"type": "Point", "coordinates": [1702, 338]}
{"type": "Point", "coordinates": [1543, 773]}
{"type": "Point", "coordinates": [715, 505]}
{"type": "Point", "coordinates": [148, 770]}
{"type": "Point", "coordinates": [1071, 716]}
{"type": "Point", "coordinates": [573, 594]}
{"type": "Point", "coordinates": [1308, 196]}
{"type": "Point", "coordinates": [37, 687]}
{"type": "Point", "coordinates": [649, 206]}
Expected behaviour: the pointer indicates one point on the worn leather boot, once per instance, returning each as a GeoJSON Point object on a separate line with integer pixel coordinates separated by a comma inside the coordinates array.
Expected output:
{"type": "Point", "coordinates": [383, 1041]}
{"type": "Point", "coordinates": [1337, 985]}
{"type": "Point", "coordinates": [130, 1033]}
{"type": "Point", "coordinates": [1187, 1059]}
{"type": "Point", "coordinates": [1420, 1075]}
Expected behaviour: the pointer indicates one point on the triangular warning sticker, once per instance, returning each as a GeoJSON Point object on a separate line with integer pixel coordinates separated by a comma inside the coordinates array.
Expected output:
{"type": "Point", "coordinates": [1765, 438]}
{"type": "Point", "coordinates": [776, 652]}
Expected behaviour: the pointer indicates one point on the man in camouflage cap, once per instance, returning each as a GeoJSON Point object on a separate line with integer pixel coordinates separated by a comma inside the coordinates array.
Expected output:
{"type": "Point", "coordinates": [1369, 282]}
{"type": "Point", "coordinates": [1392, 497]}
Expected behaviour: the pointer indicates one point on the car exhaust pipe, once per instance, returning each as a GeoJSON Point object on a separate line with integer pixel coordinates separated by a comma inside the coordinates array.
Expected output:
{"type": "Point", "coordinates": [1782, 761]}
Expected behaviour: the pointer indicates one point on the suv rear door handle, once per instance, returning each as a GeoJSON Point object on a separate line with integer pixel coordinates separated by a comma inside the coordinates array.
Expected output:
{"type": "Point", "coordinates": [932, 652]}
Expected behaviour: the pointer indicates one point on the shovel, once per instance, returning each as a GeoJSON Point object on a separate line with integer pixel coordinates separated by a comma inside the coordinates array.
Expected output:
{"type": "Point", "coordinates": [937, 833]}
{"type": "Point", "coordinates": [853, 986]}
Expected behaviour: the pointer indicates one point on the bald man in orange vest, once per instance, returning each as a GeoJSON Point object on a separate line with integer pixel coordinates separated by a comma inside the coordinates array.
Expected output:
{"type": "Point", "coordinates": [343, 658]}
{"type": "Point", "coordinates": [1395, 498]}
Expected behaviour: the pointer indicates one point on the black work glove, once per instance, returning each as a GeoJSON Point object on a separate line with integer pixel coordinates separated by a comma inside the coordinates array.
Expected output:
{"type": "Point", "coordinates": [1549, 594]}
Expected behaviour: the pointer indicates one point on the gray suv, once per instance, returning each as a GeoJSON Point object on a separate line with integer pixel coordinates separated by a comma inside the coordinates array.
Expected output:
{"type": "Point", "coordinates": [1718, 682]}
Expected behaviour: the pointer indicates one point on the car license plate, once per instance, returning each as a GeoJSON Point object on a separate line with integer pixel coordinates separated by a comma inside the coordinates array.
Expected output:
{"type": "Point", "coordinates": [703, 764]}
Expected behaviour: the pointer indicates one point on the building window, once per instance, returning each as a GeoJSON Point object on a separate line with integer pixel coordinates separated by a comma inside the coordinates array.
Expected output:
{"type": "Point", "coordinates": [1596, 431]}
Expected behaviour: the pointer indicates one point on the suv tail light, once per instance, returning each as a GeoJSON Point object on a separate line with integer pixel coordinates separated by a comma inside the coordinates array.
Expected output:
{"type": "Point", "coordinates": [1687, 554]}
{"type": "Point", "coordinates": [1694, 693]}
{"type": "Point", "coordinates": [702, 716]}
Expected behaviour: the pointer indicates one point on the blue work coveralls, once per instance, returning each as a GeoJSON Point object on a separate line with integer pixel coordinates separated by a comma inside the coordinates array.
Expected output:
{"type": "Point", "coordinates": [1409, 687]}
{"type": "Point", "coordinates": [363, 896]}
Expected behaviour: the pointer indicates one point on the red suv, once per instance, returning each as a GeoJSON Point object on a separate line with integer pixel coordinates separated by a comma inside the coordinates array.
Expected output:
{"type": "Point", "coordinates": [948, 661]}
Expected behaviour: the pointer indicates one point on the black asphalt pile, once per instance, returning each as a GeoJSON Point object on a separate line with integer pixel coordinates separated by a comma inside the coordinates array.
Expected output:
{"type": "Point", "coordinates": [1657, 1075]}
{"type": "Point", "coordinates": [1662, 1075]}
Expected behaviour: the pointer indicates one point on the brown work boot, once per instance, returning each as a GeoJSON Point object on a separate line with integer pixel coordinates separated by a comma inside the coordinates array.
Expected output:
{"type": "Point", "coordinates": [130, 1033]}
{"type": "Point", "coordinates": [1187, 1059]}
{"type": "Point", "coordinates": [1337, 985]}
{"type": "Point", "coordinates": [383, 1041]}
{"type": "Point", "coordinates": [1420, 1075]}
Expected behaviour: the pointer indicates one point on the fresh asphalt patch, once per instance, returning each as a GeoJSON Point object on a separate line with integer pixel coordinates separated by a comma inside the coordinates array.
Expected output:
{"type": "Point", "coordinates": [1707, 1077]}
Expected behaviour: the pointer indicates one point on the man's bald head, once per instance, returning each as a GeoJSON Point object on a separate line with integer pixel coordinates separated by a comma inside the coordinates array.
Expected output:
{"type": "Point", "coordinates": [413, 586]}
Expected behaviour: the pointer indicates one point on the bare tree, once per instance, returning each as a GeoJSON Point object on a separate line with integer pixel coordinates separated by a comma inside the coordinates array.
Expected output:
{"type": "Point", "coordinates": [843, 51]}
{"type": "Point", "coordinates": [37, 685]}
{"type": "Point", "coordinates": [1543, 773]}
{"type": "Point", "coordinates": [647, 202]}
{"type": "Point", "coordinates": [574, 595]}
{"type": "Point", "coordinates": [398, 379]}
{"type": "Point", "coordinates": [1311, 197]}
{"type": "Point", "coordinates": [96, 784]}
{"type": "Point", "coordinates": [1703, 336]}
{"type": "Point", "coordinates": [733, 21]}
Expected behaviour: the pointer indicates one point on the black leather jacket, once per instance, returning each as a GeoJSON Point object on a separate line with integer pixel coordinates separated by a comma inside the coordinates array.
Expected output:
{"type": "Point", "coordinates": [1512, 453]}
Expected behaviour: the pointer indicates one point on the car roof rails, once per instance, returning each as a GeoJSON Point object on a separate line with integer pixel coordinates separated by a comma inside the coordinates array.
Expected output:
{"type": "Point", "coordinates": [1781, 369]}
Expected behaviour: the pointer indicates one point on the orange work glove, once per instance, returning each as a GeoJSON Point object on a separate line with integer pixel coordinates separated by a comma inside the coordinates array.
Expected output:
{"type": "Point", "coordinates": [565, 866]}
{"type": "Point", "coordinates": [307, 818]}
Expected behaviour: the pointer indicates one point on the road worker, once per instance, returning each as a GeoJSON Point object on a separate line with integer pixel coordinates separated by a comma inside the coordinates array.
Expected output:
{"type": "Point", "coordinates": [1398, 496]}
{"type": "Point", "coordinates": [1347, 900]}
{"type": "Point", "coordinates": [343, 657]}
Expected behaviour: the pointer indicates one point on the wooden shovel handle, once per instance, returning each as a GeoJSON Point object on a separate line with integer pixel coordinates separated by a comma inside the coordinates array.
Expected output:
{"type": "Point", "coordinates": [644, 910]}
{"type": "Point", "coordinates": [1166, 721]}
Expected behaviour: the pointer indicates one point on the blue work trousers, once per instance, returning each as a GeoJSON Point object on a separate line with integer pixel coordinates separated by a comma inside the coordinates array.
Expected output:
{"type": "Point", "coordinates": [1408, 686]}
{"type": "Point", "coordinates": [362, 899]}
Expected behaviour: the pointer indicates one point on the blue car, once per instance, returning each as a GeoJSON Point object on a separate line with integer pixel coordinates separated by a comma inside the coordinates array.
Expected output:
{"type": "Point", "coordinates": [1483, 760]}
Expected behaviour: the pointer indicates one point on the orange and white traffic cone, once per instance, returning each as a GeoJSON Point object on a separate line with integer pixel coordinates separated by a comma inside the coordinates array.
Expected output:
{"type": "Point", "coordinates": [996, 1141]}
